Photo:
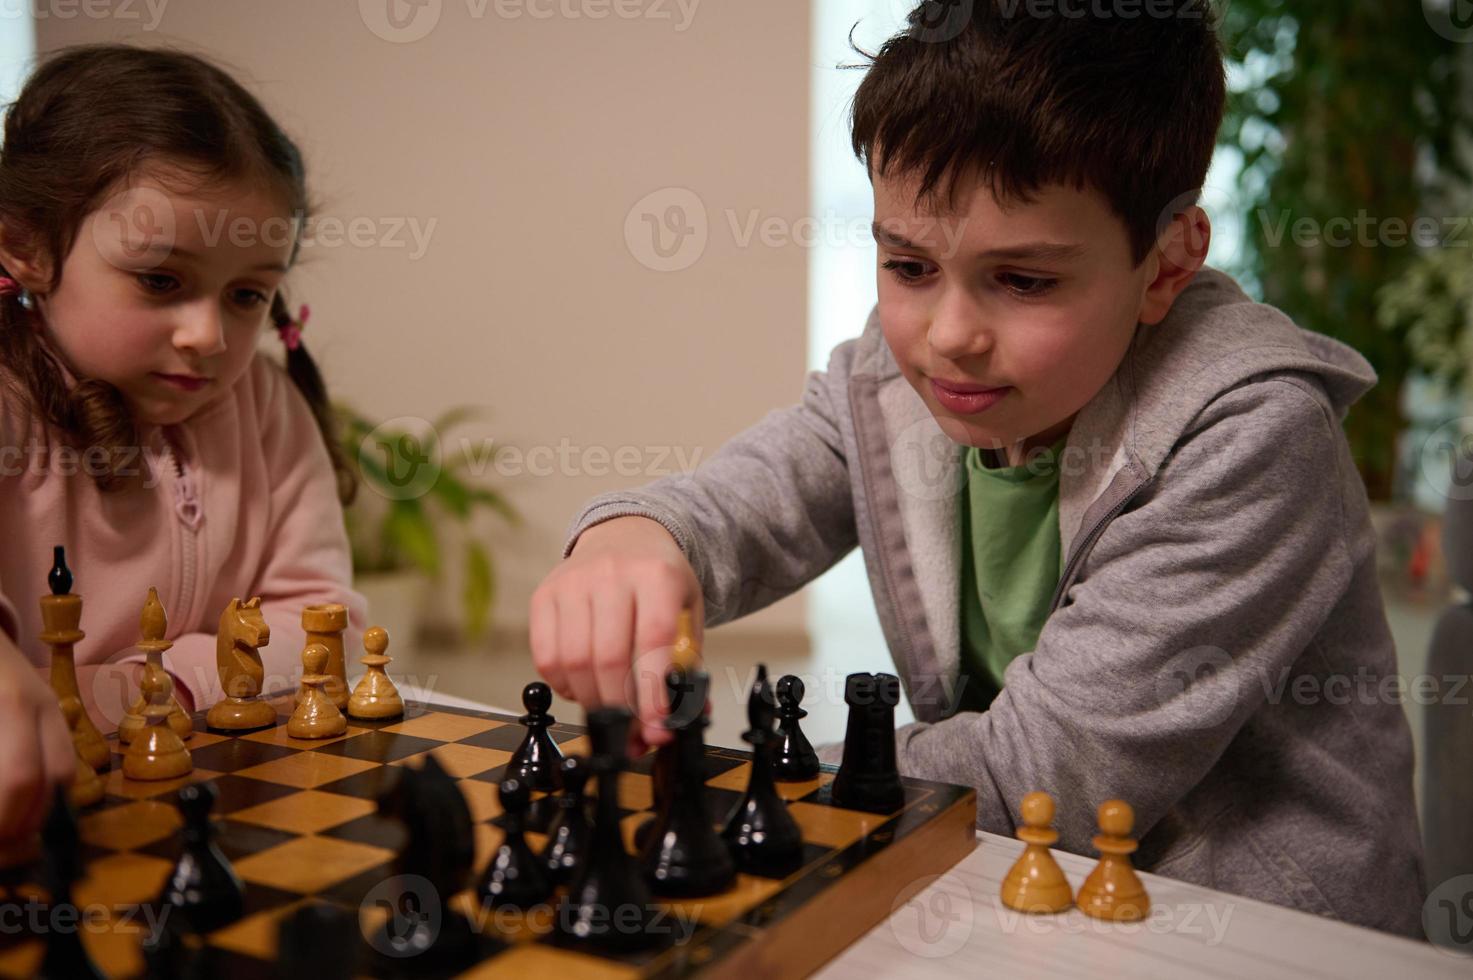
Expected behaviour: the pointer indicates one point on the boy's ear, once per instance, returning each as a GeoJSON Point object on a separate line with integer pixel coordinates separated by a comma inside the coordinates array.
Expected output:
{"type": "Point", "coordinates": [24, 261]}
{"type": "Point", "coordinates": [1181, 249]}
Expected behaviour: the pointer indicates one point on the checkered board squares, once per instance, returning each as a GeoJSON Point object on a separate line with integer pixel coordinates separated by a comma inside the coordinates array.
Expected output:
{"type": "Point", "coordinates": [298, 820]}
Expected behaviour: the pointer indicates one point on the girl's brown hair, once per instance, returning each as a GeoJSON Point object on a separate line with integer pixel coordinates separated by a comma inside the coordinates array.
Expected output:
{"type": "Point", "coordinates": [89, 119]}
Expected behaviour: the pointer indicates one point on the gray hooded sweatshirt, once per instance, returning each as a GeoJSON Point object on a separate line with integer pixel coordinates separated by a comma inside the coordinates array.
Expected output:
{"type": "Point", "coordinates": [1217, 653]}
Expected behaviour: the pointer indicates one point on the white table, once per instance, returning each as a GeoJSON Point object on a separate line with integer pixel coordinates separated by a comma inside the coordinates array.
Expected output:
{"type": "Point", "coordinates": [956, 927]}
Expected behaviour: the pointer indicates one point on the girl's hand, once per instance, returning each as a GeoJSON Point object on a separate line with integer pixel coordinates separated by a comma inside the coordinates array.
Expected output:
{"type": "Point", "coordinates": [36, 752]}
{"type": "Point", "coordinates": [603, 622]}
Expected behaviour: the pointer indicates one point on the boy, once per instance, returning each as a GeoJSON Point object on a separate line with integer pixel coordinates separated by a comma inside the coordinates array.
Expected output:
{"type": "Point", "coordinates": [1112, 527]}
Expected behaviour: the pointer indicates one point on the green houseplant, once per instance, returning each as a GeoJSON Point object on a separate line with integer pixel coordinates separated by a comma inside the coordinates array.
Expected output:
{"type": "Point", "coordinates": [409, 489]}
{"type": "Point", "coordinates": [1348, 112]}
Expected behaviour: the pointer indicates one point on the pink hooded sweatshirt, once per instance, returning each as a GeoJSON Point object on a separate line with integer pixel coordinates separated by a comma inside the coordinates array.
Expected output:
{"type": "Point", "coordinates": [238, 501]}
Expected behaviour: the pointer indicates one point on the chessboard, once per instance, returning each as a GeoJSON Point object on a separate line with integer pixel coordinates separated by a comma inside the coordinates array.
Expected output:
{"type": "Point", "coordinates": [298, 821]}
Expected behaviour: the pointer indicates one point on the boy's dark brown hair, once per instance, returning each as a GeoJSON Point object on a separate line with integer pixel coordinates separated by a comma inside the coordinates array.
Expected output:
{"type": "Point", "coordinates": [89, 119]}
{"type": "Point", "coordinates": [1122, 96]}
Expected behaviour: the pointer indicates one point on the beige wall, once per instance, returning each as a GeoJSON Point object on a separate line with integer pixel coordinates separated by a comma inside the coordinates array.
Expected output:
{"type": "Point", "coordinates": [526, 140]}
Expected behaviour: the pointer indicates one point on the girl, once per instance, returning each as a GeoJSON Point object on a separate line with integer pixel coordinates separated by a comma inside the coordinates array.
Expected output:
{"type": "Point", "coordinates": [149, 210]}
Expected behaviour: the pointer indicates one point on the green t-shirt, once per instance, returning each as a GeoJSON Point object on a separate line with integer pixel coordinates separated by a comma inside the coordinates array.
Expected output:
{"type": "Point", "coordinates": [1011, 564]}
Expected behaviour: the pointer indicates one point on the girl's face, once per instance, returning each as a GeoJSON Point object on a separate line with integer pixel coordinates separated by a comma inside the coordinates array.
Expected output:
{"type": "Point", "coordinates": [165, 292]}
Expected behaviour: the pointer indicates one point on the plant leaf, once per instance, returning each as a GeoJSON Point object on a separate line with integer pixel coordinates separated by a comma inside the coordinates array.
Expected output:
{"type": "Point", "coordinates": [411, 534]}
{"type": "Point", "coordinates": [480, 588]}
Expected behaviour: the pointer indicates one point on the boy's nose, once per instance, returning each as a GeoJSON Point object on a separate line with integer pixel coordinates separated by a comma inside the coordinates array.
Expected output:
{"type": "Point", "coordinates": [958, 329]}
{"type": "Point", "coordinates": [201, 331]}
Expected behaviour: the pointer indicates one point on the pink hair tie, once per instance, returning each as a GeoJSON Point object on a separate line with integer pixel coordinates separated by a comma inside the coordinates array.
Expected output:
{"type": "Point", "coordinates": [291, 331]}
{"type": "Point", "coordinates": [9, 287]}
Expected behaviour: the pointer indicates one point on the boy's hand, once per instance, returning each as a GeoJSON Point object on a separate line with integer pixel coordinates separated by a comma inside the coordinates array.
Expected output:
{"type": "Point", "coordinates": [603, 621]}
{"type": "Point", "coordinates": [36, 752]}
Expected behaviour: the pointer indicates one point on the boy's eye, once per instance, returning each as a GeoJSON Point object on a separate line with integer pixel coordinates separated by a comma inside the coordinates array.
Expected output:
{"type": "Point", "coordinates": [905, 270]}
{"type": "Point", "coordinates": [156, 282]}
{"type": "Point", "coordinates": [1021, 285]}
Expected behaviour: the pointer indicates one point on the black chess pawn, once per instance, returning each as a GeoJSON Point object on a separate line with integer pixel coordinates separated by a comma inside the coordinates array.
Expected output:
{"type": "Point", "coordinates": [318, 941]}
{"type": "Point", "coordinates": [535, 761]}
{"type": "Point", "coordinates": [608, 905]}
{"type": "Point", "coordinates": [795, 761]}
{"type": "Point", "coordinates": [515, 877]}
{"type": "Point", "coordinates": [61, 839]}
{"type": "Point", "coordinates": [682, 855]}
{"type": "Point", "coordinates": [868, 778]}
{"type": "Point", "coordinates": [203, 888]}
{"type": "Point", "coordinates": [567, 837]}
{"type": "Point", "coordinates": [761, 833]}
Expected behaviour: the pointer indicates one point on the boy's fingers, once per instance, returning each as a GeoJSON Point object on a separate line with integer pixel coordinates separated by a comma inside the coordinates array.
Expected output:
{"type": "Point", "coordinates": [575, 647]}
{"type": "Point", "coordinates": [654, 635]}
{"type": "Point", "coordinates": [542, 634]}
{"type": "Point", "coordinates": [613, 636]}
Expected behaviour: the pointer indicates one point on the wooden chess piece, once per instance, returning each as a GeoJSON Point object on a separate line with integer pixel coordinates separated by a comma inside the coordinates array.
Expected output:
{"type": "Point", "coordinates": [762, 835]}
{"type": "Point", "coordinates": [86, 788]}
{"type": "Point", "coordinates": [243, 631]}
{"type": "Point", "coordinates": [61, 614]}
{"type": "Point", "coordinates": [868, 777]}
{"type": "Point", "coordinates": [567, 835]}
{"type": "Point", "coordinates": [203, 889]}
{"type": "Point", "coordinates": [1035, 882]}
{"type": "Point", "coordinates": [1113, 890]}
{"type": "Point", "coordinates": [515, 878]}
{"type": "Point", "coordinates": [795, 760]}
{"type": "Point", "coordinates": [375, 696]}
{"type": "Point", "coordinates": [682, 855]}
{"type": "Point", "coordinates": [157, 752]}
{"type": "Point", "coordinates": [608, 880]}
{"type": "Point", "coordinates": [325, 623]}
{"type": "Point", "coordinates": [61, 868]}
{"type": "Point", "coordinates": [152, 625]}
{"type": "Point", "coordinates": [535, 760]}
{"type": "Point", "coordinates": [315, 716]}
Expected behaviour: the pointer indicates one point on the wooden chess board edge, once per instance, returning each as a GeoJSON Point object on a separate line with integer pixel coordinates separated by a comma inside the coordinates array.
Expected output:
{"type": "Point", "coordinates": [818, 931]}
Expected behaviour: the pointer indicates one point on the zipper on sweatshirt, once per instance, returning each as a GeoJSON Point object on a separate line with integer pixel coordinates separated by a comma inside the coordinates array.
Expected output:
{"type": "Point", "coordinates": [190, 514]}
{"type": "Point", "coordinates": [1086, 542]}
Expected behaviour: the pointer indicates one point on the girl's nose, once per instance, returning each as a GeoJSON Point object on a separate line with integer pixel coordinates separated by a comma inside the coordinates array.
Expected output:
{"type": "Point", "coordinates": [201, 331]}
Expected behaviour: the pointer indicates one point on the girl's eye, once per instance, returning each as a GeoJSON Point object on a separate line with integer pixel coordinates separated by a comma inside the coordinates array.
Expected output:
{"type": "Point", "coordinates": [1026, 286]}
{"type": "Point", "coordinates": [250, 298]}
{"type": "Point", "coordinates": [907, 271]}
{"type": "Point", "coordinates": [157, 282]}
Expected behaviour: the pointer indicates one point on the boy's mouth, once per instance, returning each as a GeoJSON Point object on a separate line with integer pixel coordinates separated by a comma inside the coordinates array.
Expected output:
{"type": "Point", "coordinates": [966, 398]}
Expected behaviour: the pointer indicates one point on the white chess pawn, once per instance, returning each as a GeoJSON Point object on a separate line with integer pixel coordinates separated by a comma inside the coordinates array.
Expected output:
{"type": "Point", "coordinates": [1036, 883]}
{"type": "Point", "coordinates": [375, 696]}
{"type": "Point", "coordinates": [315, 716]}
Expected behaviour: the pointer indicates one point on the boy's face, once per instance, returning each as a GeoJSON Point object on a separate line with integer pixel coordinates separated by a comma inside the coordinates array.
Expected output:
{"type": "Point", "coordinates": [1035, 301]}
